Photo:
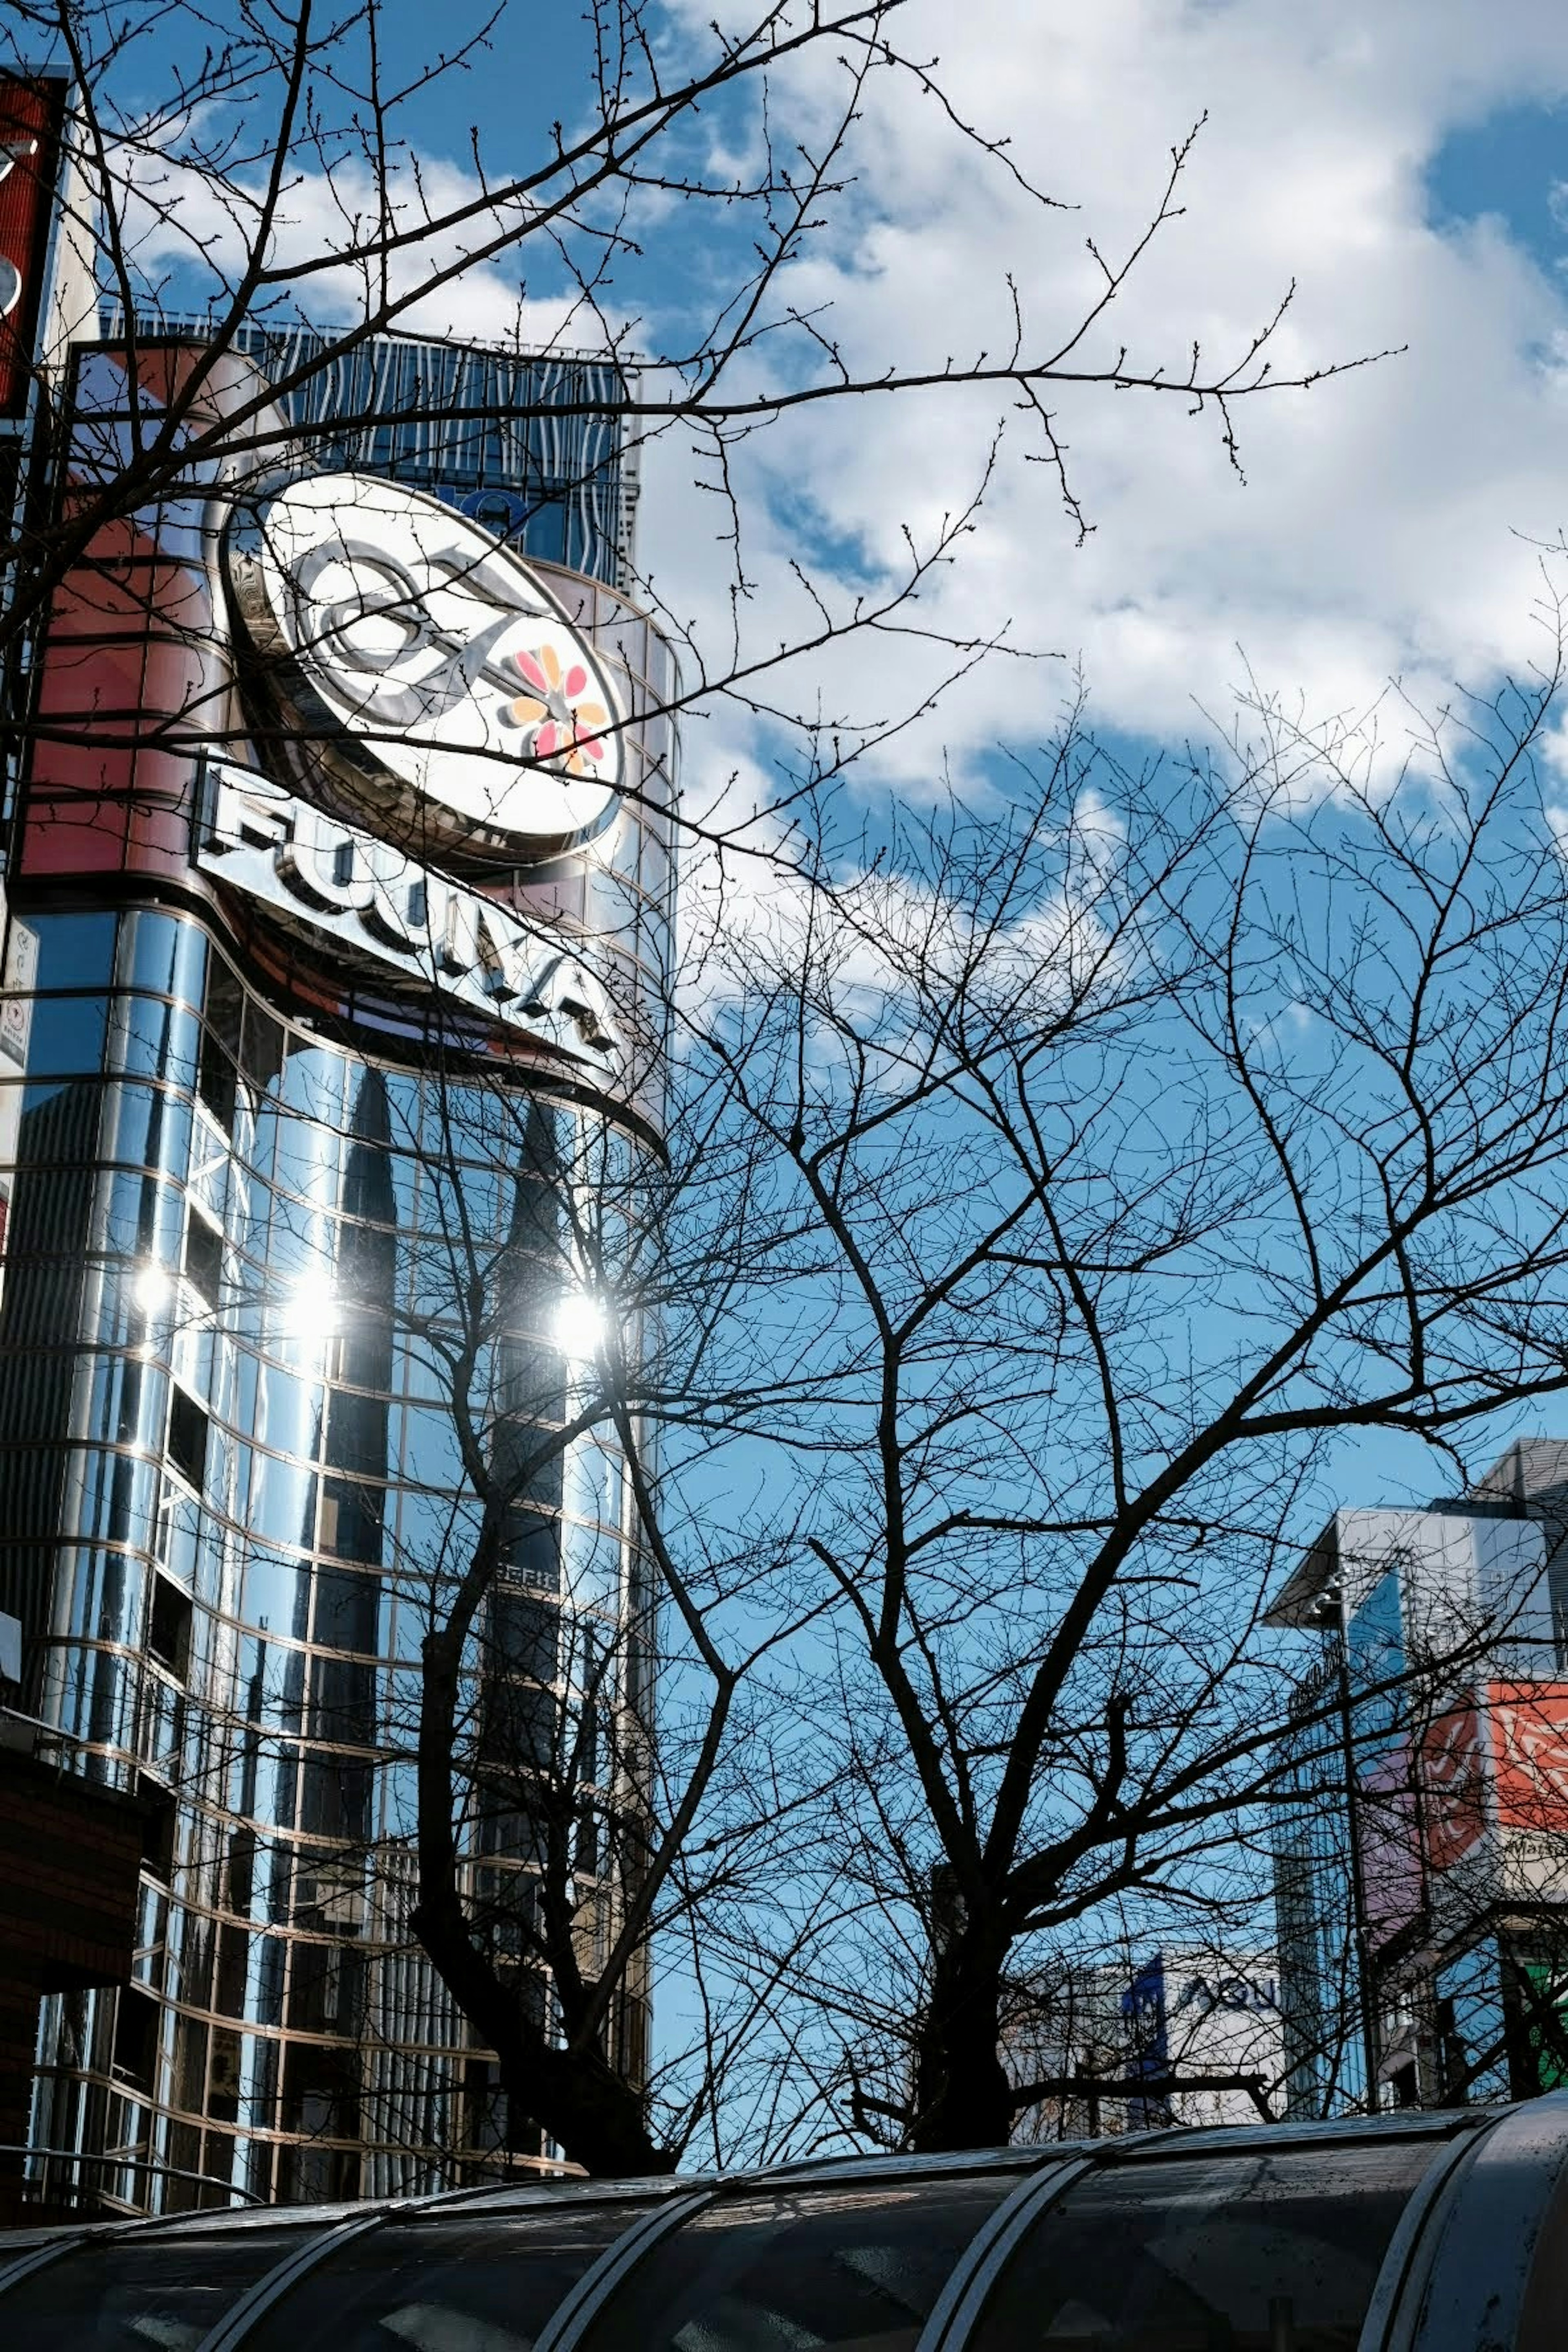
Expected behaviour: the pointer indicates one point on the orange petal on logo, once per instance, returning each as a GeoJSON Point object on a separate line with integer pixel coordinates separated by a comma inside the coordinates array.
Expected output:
{"type": "Point", "coordinates": [525, 711]}
{"type": "Point", "coordinates": [552, 661]}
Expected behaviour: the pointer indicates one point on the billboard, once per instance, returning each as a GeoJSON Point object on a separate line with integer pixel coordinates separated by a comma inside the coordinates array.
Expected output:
{"type": "Point", "coordinates": [1389, 1820]}
{"type": "Point", "coordinates": [1469, 1812]}
{"type": "Point", "coordinates": [31, 115]}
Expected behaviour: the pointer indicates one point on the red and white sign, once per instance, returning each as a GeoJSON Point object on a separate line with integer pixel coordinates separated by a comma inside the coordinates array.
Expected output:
{"type": "Point", "coordinates": [1494, 1796]}
{"type": "Point", "coordinates": [30, 118]}
{"type": "Point", "coordinates": [1454, 1787]}
{"type": "Point", "coordinates": [1529, 1755]}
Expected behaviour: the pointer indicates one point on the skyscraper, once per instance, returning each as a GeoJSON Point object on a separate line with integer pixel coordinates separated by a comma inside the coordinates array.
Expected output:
{"type": "Point", "coordinates": [339, 903]}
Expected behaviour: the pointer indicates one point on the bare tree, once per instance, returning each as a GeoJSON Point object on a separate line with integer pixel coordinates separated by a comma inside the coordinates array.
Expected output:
{"type": "Point", "coordinates": [800, 1276]}
{"type": "Point", "coordinates": [1147, 1135]}
{"type": "Point", "coordinates": [270, 176]}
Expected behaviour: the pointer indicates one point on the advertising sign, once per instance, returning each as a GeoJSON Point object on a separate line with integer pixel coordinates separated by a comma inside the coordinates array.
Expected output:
{"type": "Point", "coordinates": [1528, 1751]}
{"type": "Point", "coordinates": [426, 666]}
{"type": "Point", "coordinates": [1390, 1846]}
{"type": "Point", "coordinates": [30, 118]}
{"type": "Point", "coordinates": [1467, 1813]}
{"type": "Point", "coordinates": [392, 912]}
{"type": "Point", "coordinates": [1148, 2048]}
{"type": "Point", "coordinates": [1454, 1787]}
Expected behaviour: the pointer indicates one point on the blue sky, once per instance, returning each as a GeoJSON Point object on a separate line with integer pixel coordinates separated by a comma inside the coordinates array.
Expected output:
{"type": "Point", "coordinates": [1509, 165]}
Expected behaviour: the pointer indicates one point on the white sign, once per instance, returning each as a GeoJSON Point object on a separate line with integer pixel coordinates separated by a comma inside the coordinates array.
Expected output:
{"type": "Point", "coordinates": [17, 988]}
{"type": "Point", "coordinates": [365, 895]}
{"type": "Point", "coordinates": [439, 655]}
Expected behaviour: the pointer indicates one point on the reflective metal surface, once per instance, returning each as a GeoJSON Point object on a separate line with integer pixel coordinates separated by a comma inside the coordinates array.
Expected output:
{"type": "Point", "coordinates": [240, 1252]}
{"type": "Point", "coordinates": [1442, 2233]}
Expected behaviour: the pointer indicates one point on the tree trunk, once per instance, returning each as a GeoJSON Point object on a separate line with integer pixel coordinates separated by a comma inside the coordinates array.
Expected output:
{"type": "Point", "coordinates": [961, 2094]}
{"type": "Point", "coordinates": [591, 2113]}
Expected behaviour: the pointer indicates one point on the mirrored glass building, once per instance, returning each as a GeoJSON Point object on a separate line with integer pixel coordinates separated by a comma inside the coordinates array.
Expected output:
{"type": "Point", "coordinates": [328, 1081]}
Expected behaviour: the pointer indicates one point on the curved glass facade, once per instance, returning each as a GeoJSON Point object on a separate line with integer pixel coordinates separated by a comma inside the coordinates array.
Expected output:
{"type": "Point", "coordinates": [260, 1240]}
{"type": "Point", "coordinates": [305, 1238]}
{"type": "Point", "coordinates": [1333, 2239]}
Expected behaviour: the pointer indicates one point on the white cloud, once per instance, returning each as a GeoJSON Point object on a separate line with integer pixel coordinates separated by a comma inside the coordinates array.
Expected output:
{"type": "Point", "coordinates": [1378, 533]}
{"type": "Point", "coordinates": [1383, 529]}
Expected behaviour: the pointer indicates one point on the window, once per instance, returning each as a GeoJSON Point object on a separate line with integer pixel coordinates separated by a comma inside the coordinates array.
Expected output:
{"type": "Point", "coordinates": [187, 1438]}
{"type": "Point", "coordinates": [203, 1256]}
{"type": "Point", "coordinates": [531, 1549]}
{"type": "Point", "coordinates": [217, 1077]}
{"type": "Point", "coordinates": [524, 1632]}
{"type": "Point", "coordinates": [169, 1627]}
{"type": "Point", "coordinates": [157, 1828]}
{"type": "Point", "coordinates": [447, 2280]}
{"type": "Point", "coordinates": [854, 2266]}
{"type": "Point", "coordinates": [135, 2038]}
{"type": "Point", "coordinates": [146, 2292]}
{"type": "Point", "coordinates": [351, 1520]}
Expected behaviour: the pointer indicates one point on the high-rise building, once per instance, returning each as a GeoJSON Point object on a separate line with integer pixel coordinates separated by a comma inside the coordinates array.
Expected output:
{"type": "Point", "coordinates": [340, 897]}
{"type": "Point", "coordinates": [1421, 1838]}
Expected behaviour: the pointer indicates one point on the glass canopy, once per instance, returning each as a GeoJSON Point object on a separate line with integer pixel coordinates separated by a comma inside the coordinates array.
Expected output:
{"type": "Point", "coordinates": [1329, 2238]}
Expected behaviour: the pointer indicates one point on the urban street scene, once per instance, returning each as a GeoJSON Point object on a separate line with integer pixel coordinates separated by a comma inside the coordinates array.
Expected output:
{"type": "Point", "coordinates": [783, 1177]}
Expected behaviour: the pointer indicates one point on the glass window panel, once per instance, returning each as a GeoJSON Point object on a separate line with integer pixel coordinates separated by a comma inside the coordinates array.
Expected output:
{"type": "Point", "coordinates": [65, 1035]}
{"type": "Point", "coordinates": [276, 1592]}
{"type": "Point", "coordinates": [335, 1799]}
{"type": "Point", "coordinates": [431, 1454]}
{"type": "Point", "coordinates": [282, 1502]}
{"type": "Point", "coordinates": [312, 1083]}
{"type": "Point", "coordinates": [59, 1122]}
{"type": "Point", "coordinates": [74, 951]}
{"type": "Point", "coordinates": [105, 1596]}
{"type": "Point", "coordinates": [445, 2282]}
{"type": "Point", "coordinates": [857, 2267]}
{"type": "Point", "coordinates": [162, 2289]}
{"type": "Point", "coordinates": [347, 1608]}
{"type": "Point", "coordinates": [1252, 2250]}
{"type": "Point", "coordinates": [115, 1499]}
{"type": "Point", "coordinates": [591, 1568]}
{"type": "Point", "coordinates": [147, 1128]}
{"type": "Point", "coordinates": [433, 1531]}
{"type": "Point", "coordinates": [593, 1482]}
{"type": "Point", "coordinates": [194, 1354]}
{"type": "Point", "coordinates": [127, 1210]}
{"type": "Point", "coordinates": [357, 1434]}
{"type": "Point", "coordinates": [179, 1532]}
{"type": "Point", "coordinates": [163, 957]}
{"type": "Point", "coordinates": [150, 1039]}
{"type": "Point", "coordinates": [353, 1520]}
{"type": "Point", "coordinates": [307, 1157]}
{"type": "Point", "coordinates": [288, 1412]}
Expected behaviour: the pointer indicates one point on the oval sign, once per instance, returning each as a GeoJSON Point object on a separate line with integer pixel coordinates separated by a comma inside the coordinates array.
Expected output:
{"type": "Point", "coordinates": [439, 655]}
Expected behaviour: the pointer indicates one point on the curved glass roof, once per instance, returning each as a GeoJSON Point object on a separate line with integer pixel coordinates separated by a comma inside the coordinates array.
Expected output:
{"type": "Point", "coordinates": [1327, 2238]}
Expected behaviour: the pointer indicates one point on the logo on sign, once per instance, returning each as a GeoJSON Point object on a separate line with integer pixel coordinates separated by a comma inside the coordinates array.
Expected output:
{"type": "Point", "coordinates": [434, 661]}
{"type": "Point", "coordinates": [366, 896]}
{"type": "Point", "coordinates": [1453, 1771]}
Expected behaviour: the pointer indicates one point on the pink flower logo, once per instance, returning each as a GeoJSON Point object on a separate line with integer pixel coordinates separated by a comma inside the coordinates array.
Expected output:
{"type": "Point", "coordinates": [560, 727]}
